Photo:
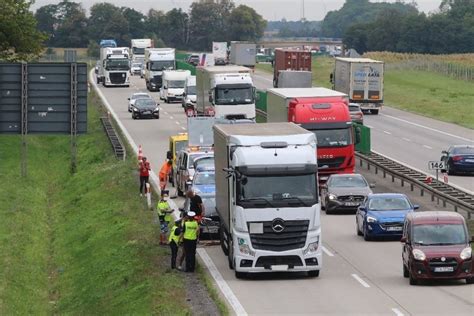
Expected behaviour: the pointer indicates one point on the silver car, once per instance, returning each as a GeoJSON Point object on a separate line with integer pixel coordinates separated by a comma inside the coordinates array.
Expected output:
{"type": "Point", "coordinates": [134, 97]}
{"type": "Point", "coordinates": [344, 192]}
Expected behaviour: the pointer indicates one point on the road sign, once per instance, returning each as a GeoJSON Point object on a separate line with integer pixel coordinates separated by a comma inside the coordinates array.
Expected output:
{"type": "Point", "coordinates": [436, 165]}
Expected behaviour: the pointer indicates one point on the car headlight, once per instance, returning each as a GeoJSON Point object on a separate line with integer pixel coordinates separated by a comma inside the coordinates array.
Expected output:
{"type": "Point", "coordinates": [371, 219]}
{"type": "Point", "coordinates": [135, 110]}
{"type": "Point", "coordinates": [332, 197]}
{"type": "Point", "coordinates": [244, 248]}
{"type": "Point", "coordinates": [312, 248]}
{"type": "Point", "coordinates": [157, 109]}
{"type": "Point", "coordinates": [466, 253]}
{"type": "Point", "coordinates": [418, 254]}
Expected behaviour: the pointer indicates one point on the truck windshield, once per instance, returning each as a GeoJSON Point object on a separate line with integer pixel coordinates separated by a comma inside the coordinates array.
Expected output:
{"type": "Point", "coordinates": [138, 51]}
{"type": "Point", "coordinates": [117, 64]}
{"type": "Point", "coordinates": [277, 191]}
{"type": "Point", "coordinates": [162, 64]}
{"type": "Point", "coordinates": [191, 90]}
{"type": "Point", "coordinates": [333, 137]}
{"type": "Point", "coordinates": [176, 84]}
{"type": "Point", "coordinates": [441, 234]}
{"type": "Point", "coordinates": [234, 95]}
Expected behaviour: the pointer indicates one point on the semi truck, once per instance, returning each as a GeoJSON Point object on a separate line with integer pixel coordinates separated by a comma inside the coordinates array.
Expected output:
{"type": "Point", "coordinates": [219, 51]}
{"type": "Point", "coordinates": [114, 67]}
{"type": "Point", "coordinates": [157, 60]}
{"type": "Point", "coordinates": [138, 46]}
{"type": "Point", "coordinates": [243, 54]}
{"type": "Point", "coordinates": [267, 197]}
{"type": "Point", "coordinates": [290, 59]}
{"type": "Point", "coordinates": [362, 80]}
{"type": "Point", "coordinates": [225, 92]}
{"type": "Point", "coordinates": [324, 112]}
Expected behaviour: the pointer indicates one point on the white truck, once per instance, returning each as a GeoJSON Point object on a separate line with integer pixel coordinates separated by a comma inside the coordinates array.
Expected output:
{"type": "Point", "coordinates": [174, 82]}
{"type": "Point", "coordinates": [157, 60]}
{"type": "Point", "coordinates": [225, 92]}
{"type": "Point", "coordinates": [219, 50]}
{"type": "Point", "coordinates": [362, 80]}
{"type": "Point", "coordinates": [114, 67]}
{"type": "Point", "coordinates": [189, 96]}
{"type": "Point", "coordinates": [243, 54]}
{"type": "Point", "coordinates": [138, 46]}
{"type": "Point", "coordinates": [267, 197]}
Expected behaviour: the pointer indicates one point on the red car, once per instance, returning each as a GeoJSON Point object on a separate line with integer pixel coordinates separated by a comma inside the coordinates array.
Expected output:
{"type": "Point", "coordinates": [436, 245]}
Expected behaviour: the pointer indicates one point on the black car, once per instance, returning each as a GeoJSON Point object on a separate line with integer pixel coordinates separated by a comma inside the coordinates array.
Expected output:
{"type": "Point", "coordinates": [143, 108]}
{"type": "Point", "coordinates": [458, 158]}
{"type": "Point", "coordinates": [193, 60]}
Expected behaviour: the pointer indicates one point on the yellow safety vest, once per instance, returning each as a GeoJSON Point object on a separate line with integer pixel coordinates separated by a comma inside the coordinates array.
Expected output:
{"type": "Point", "coordinates": [190, 232]}
{"type": "Point", "coordinates": [164, 206]}
{"type": "Point", "coordinates": [173, 237]}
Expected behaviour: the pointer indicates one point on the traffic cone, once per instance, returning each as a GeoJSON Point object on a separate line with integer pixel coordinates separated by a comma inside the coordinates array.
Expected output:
{"type": "Point", "coordinates": [140, 153]}
{"type": "Point", "coordinates": [445, 178]}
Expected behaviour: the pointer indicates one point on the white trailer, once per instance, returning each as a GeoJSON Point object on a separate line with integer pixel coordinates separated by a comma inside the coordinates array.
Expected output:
{"type": "Point", "coordinates": [243, 54]}
{"type": "Point", "coordinates": [267, 197]}
{"type": "Point", "coordinates": [225, 92]}
{"type": "Point", "coordinates": [114, 67]}
{"type": "Point", "coordinates": [362, 80]}
{"type": "Point", "coordinates": [219, 50]}
{"type": "Point", "coordinates": [157, 60]}
{"type": "Point", "coordinates": [138, 46]}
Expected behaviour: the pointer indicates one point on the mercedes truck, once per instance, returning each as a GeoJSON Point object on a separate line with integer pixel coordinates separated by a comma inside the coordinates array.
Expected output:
{"type": "Point", "coordinates": [114, 70]}
{"type": "Point", "coordinates": [157, 60]}
{"type": "Point", "coordinates": [267, 197]}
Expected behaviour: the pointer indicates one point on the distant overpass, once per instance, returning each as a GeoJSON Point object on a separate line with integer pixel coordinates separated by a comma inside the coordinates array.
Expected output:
{"type": "Point", "coordinates": [275, 42]}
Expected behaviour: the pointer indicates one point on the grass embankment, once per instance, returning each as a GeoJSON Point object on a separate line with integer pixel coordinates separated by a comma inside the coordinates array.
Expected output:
{"type": "Point", "coordinates": [426, 93]}
{"type": "Point", "coordinates": [80, 244]}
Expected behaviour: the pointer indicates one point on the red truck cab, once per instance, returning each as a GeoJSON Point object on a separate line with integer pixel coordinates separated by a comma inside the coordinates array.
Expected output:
{"type": "Point", "coordinates": [330, 120]}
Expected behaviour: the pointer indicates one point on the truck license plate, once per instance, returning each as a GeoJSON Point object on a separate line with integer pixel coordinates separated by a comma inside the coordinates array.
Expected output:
{"type": "Point", "coordinates": [282, 267]}
{"type": "Point", "coordinates": [395, 228]}
{"type": "Point", "coordinates": [351, 204]}
{"type": "Point", "coordinates": [444, 269]}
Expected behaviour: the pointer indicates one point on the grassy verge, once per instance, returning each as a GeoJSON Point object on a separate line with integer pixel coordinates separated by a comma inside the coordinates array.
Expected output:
{"type": "Point", "coordinates": [80, 244]}
{"type": "Point", "coordinates": [213, 292]}
{"type": "Point", "coordinates": [426, 93]}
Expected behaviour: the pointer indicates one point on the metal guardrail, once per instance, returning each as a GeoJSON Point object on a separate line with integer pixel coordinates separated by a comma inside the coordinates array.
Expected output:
{"type": "Point", "coordinates": [117, 144]}
{"type": "Point", "coordinates": [438, 189]}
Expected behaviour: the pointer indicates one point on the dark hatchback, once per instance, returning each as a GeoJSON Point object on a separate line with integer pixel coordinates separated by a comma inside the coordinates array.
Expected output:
{"type": "Point", "coordinates": [458, 159]}
{"type": "Point", "coordinates": [436, 246]}
{"type": "Point", "coordinates": [145, 108]}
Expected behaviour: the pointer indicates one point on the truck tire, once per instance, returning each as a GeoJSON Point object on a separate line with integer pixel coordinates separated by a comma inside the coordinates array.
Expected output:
{"type": "Point", "coordinates": [222, 235]}
{"type": "Point", "coordinates": [313, 273]}
{"type": "Point", "coordinates": [98, 80]}
{"type": "Point", "coordinates": [375, 112]}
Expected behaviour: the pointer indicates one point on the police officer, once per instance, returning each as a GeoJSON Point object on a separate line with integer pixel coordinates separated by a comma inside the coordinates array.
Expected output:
{"type": "Point", "coordinates": [173, 240]}
{"type": "Point", "coordinates": [164, 214]}
{"type": "Point", "coordinates": [189, 236]}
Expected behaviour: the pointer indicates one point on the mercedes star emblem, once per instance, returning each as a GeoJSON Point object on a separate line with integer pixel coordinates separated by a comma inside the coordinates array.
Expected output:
{"type": "Point", "coordinates": [278, 225]}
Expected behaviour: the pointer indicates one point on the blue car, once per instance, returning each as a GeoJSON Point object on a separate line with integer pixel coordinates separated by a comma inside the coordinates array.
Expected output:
{"type": "Point", "coordinates": [383, 214]}
{"type": "Point", "coordinates": [459, 158]}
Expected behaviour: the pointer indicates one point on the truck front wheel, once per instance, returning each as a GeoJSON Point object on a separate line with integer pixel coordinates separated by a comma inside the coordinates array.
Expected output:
{"type": "Point", "coordinates": [375, 112]}
{"type": "Point", "coordinates": [222, 235]}
{"type": "Point", "coordinates": [230, 257]}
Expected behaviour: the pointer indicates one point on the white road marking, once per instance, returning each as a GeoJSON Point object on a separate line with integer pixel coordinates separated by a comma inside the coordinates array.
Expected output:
{"type": "Point", "coordinates": [406, 139]}
{"type": "Point", "coordinates": [183, 128]}
{"type": "Point", "coordinates": [428, 128]}
{"type": "Point", "coordinates": [166, 112]}
{"type": "Point", "coordinates": [171, 117]}
{"type": "Point", "coordinates": [397, 312]}
{"type": "Point", "coordinates": [221, 283]}
{"type": "Point", "coordinates": [327, 252]}
{"type": "Point", "coordinates": [426, 146]}
{"type": "Point", "coordinates": [177, 123]}
{"type": "Point", "coordinates": [364, 284]}
{"type": "Point", "coordinates": [388, 133]}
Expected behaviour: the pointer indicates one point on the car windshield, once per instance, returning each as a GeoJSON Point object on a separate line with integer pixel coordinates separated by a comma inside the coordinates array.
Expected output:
{"type": "Point", "coordinates": [234, 95]}
{"type": "Point", "coordinates": [181, 145]}
{"type": "Point", "coordinates": [347, 182]}
{"type": "Point", "coordinates": [333, 137]}
{"type": "Point", "coordinates": [439, 234]}
{"type": "Point", "coordinates": [463, 151]}
{"type": "Point", "coordinates": [191, 90]}
{"type": "Point", "coordinates": [176, 84]}
{"type": "Point", "coordinates": [389, 203]}
{"type": "Point", "coordinates": [204, 178]}
{"type": "Point", "coordinates": [145, 103]}
{"type": "Point", "coordinates": [207, 162]}
{"type": "Point", "coordinates": [163, 64]}
{"type": "Point", "coordinates": [281, 190]}
{"type": "Point", "coordinates": [137, 65]}
{"type": "Point", "coordinates": [192, 158]}
{"type": "Point", "coordinates": [138, 50]}
{"type": "Point", "coordinates": [117, 64]}
{"type": "Point", "coordinates": [354, 108]}
{"type": "Point", "coordinates": [141, 96]}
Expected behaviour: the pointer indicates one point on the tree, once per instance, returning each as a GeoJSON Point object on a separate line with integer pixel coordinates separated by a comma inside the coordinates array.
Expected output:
{"type": "Point", "coordinates": [47, 21]}
{"type": "Point", "coordinates": [20, 40]}
{"type": "Point", "coordinates": [136, 22]}
{"type": "Point", "coordinates": [107, 21]}
{"type": "Point", "coordinates": [245, 24]}
{"type": "Point", "coordinates": [175, 28]}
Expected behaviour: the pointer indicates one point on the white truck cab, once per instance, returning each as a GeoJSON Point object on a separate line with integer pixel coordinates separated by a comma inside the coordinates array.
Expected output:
{"type": "Point", "coordinates": [114, 67]}
{"type": "Point", "coordinates": [189, 96]}
{"type": "Point", "coordinates": [156, 61]}
{"type": "Point", "coordinates": [173, 85]}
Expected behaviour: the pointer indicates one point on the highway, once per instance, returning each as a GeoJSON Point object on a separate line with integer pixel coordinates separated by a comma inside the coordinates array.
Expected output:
{"type": "Point", "coordinates": [408, 138]}
{"type": "Point", "coordinates": [358, 277]}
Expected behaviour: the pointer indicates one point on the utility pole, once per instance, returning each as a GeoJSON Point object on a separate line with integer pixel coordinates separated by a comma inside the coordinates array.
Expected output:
{"type": "Point", "coordinates": [302, 11]}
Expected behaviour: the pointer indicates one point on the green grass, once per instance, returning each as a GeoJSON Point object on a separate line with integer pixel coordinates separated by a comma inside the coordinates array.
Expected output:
{"type": "Point", "coordinates": [213, 292]}
{"type": "Point", "coordinates": [425, 93]}
{"type": "Point", "coordinates": [81, 244]}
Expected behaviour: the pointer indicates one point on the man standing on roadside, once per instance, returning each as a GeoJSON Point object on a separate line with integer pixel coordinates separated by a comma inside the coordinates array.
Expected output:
{"type": "Point", "coordinates": [165, 173]}
{"type": "Point", "coordinates": [189, 237]}
{"type": "Point", "coordinates": [195, 203]}
{"type": "Point", "coordinates": [144, 169]}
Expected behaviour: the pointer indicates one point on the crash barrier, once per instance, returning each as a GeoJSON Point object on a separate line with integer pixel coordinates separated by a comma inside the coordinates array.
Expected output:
{"type": "Point", "coordinates": [181, 56]}
{"type": "Point", "coordinates": [185, 66]}
{"type": "Point", "coordinates": [117, 145]}
{"type": "Point", "coordinates": [442, 192]}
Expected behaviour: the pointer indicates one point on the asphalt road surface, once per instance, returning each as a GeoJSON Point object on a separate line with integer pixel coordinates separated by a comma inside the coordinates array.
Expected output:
{"type": "Point", "coordinates": [358, 277]}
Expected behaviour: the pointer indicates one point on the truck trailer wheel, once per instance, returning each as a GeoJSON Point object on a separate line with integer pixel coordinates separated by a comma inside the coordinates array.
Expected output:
{"type": "Point", "coordinates": [375, 112]}
{"type": "Point", "coordinates": [313, 273]}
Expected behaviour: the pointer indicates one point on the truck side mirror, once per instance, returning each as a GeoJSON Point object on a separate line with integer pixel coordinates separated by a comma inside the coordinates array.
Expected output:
{"type": "Point", "coordinates": [165, 87]}
{"type": "Point", "coordinates": [357, 134]}
{"type": "Point", "coordinates": [169, 155]}
{"type": "Point", "coordinates": [331, 78]}
{"type": "Point", "coordinates": [256, 94]}
{"type": "Point", "coordinates": [403, 240]}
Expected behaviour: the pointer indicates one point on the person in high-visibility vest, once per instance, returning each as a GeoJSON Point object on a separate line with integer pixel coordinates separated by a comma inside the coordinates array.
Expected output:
{"type": "Point", "coordinates": [164, 214]}
{"type": "Point", "coordinates": [173, 240]}
{"type": "Point", "coordinates": [189, 237]}
{"type": "Point", "coordinates": [164, 174]}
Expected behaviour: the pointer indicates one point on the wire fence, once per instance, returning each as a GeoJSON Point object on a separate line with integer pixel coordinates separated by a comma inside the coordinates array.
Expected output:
{"type": "Point", "coordinates": [453, 70]}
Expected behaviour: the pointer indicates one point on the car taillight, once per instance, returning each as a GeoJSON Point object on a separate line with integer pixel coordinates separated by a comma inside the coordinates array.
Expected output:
{"type": "Point", "coordinates": [457, 158]}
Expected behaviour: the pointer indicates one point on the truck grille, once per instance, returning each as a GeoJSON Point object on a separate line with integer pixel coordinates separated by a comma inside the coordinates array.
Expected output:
{"type": "Point", "coordinates": [118, 77]}
{"type": "Point", "coordinates": [330, 162]}
{"type": "Point", "coordinates": [293, 236]}
{"type": "Point", "coordinates": [158, 80]}
{"type": "Point", "coordinates": [351, 198]}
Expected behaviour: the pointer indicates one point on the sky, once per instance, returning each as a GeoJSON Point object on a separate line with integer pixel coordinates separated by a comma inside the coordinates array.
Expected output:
{"type": "Point", "coordinates": [269, 9]}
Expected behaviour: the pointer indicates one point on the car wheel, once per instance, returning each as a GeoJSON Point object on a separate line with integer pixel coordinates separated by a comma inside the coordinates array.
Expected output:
{"type": "Point", "coordinates": [406, 273]}
{"type": "Point", "coordinates": [359, 233]}
{"type": "Point", "coordinates": [157, 116]}
{"type": "Point", "coordinates": [313, 274]}
{"type": "Point", "coordinates": [413, 281]}
{"type": "Point", "coordinates": [240, 275]}
{"type": "Point", "coordinates": [366, 234]}
{"type": "Point", "coordinates": [470, 280]}
{"type": "Point", "coordinates": [134, 116]}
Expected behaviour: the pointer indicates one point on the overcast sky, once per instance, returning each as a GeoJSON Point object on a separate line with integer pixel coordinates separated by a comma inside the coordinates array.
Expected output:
{"type": "Point", "coordinates": [269, 9]}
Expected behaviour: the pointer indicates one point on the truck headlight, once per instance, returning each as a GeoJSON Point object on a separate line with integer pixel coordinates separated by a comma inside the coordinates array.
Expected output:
{"type": "Point", "coordinates": [418, 254]}
{"type": "Point", "coordinates": [244, 248]}
{"type": "Point", "coordinates": [371, 219]}
{"type": "Point", "coordinates": [332, 197]}
{"type": "Point", "coordinates": [466, 253]}
{"type": "Point", "coordinates": [312, 248]}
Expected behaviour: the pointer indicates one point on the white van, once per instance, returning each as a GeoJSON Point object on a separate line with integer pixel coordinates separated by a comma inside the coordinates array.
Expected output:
{"type": "Point", "coordinates": [173, 84]}
{"type": "Point", "coordinates": [189, 97]}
